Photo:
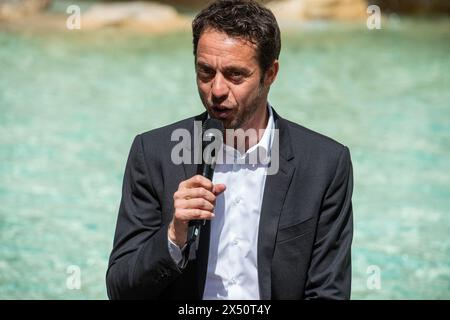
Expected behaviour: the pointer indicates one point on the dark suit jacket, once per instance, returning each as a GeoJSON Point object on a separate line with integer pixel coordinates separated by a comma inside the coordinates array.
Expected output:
{"type": "Point", "coordinates": [305, 229]}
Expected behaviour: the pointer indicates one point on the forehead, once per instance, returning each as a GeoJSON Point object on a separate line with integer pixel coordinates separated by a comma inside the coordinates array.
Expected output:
{"type": "Point", "coordinates": [215, 46]}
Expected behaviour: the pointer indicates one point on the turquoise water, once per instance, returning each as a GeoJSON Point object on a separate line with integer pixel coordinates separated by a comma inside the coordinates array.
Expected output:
{"type": "Point", "coordinates": [71, 103]}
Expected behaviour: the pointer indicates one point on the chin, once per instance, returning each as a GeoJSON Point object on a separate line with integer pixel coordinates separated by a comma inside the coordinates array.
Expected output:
{"type": "Point", "coordinates": [226, 123]}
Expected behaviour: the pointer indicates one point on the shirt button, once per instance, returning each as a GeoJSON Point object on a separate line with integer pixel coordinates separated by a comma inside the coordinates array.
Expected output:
{"type": "Point", "coordinates": [235, 242]}
{"type": "Point", "coordinates": [233, 281]}
{"type": "Point", "coordinates": [238, 200]}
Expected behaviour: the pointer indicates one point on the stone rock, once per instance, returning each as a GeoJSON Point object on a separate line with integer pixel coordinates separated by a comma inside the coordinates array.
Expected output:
{"type": "Point", "coordinates": [288, 9]}
{"type": "Point", "coordinates": [335, 9]}
{"type": "Point", "coordinates": [142, 15]}
{"type": "Point", "coordinates": [318, 9]}
{"type": "Point", "coordinates": [15, 9]}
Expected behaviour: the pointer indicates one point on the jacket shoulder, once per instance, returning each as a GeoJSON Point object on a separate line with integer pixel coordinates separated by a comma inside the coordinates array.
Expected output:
{"type": "Point", "coordinates": [164, 133]}
{"type": "Point", "coordinates": [303, 135]}
{"type": "Point", "coordinates": [156, 144]}
{"type": "Point", "coordinates": [314, 149]}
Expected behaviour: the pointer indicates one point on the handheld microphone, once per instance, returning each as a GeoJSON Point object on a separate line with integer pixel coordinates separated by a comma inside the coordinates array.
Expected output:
{"type": "Point", "coordinates": [212, 137]}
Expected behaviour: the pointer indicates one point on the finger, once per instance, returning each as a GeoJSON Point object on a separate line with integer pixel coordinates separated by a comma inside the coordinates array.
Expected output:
{"type": "Point", "coordinates": [194, 214]}
{"type": "Point", "coordinates": [195, 193]}
{"type": "Point", "coordinates": [196, 181]}
{"type": "Point", "coordinates": [197, 203]}
{"type": "Point", "coordinates": [219, 188]}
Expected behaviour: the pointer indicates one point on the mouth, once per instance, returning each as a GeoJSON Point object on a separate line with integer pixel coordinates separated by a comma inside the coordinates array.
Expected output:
{"type": "Point", "coordinates": [221, 112]}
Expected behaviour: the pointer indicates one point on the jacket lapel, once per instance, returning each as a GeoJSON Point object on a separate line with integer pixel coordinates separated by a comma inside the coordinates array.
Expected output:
{"type": "Point", "coordinates": [201, 262]}
{"type": "Point", "coordinates": [190, 169]}
{"type": "Point", "coordinates": [275, 191]}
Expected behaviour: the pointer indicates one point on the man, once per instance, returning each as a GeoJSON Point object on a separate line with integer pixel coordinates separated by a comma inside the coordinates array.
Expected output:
{"type": "Point", "coordinates": [284, 235]}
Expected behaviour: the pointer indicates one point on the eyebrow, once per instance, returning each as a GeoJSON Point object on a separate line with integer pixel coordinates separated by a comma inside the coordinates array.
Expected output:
{"type": "Point", "coordinates": [231, 68]}
{"type": "Point", "coordinates": [203, 65]}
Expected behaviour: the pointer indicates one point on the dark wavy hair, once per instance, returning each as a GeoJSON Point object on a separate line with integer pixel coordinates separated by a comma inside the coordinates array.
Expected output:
{"type": "Point", "coordinates": [244, 19]}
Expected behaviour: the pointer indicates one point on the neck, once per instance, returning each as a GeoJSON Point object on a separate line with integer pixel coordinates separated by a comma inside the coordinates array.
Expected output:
{"type": "Point", "coordinates": [251, 132]}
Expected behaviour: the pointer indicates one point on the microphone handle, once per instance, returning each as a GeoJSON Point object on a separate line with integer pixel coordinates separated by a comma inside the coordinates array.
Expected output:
{"type": "Point", "coordinates": [195, 225]}
{"type": "Point", "coordinates": [208, 171]}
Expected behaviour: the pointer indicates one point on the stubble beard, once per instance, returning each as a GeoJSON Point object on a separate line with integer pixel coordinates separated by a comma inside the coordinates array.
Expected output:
{"type": "Point", "coordinates": [241, 120]}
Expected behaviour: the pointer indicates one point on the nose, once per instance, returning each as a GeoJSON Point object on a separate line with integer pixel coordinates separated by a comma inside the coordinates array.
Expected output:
{"type": "Point", "coordinates": [219, 88]}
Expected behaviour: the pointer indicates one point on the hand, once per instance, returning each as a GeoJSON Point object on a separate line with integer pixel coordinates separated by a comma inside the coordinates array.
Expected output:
{"type": "Point", "coordinates": [194, 200]}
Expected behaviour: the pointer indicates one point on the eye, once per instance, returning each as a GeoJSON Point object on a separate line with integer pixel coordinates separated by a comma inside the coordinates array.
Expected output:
{"type": "Point", "coordinates": [205, 74]}
{"type": "Point", "coordinates": [236, 76]}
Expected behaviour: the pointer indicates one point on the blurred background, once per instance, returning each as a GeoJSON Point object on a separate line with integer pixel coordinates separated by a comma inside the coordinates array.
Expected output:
{"type": "Point", "coordinates": [79, 79]}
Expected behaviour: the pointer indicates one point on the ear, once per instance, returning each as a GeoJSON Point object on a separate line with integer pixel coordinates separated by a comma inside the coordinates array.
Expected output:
{"type": "Point", "coordinates": [271, 73]}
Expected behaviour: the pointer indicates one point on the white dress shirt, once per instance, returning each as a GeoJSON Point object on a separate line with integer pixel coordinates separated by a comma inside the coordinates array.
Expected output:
{"type": "Point", "coordinates": [232, 263]}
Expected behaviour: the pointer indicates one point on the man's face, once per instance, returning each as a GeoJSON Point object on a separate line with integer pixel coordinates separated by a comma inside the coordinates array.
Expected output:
{"type": "Point", "coordinates": [229, 80]}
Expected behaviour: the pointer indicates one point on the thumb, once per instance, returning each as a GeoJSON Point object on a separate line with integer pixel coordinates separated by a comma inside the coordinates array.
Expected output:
{"type": "Point", "coordinates": [219, 188]}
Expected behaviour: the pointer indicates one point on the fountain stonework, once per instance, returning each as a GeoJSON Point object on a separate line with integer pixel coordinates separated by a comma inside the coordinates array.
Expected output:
{"type": "Point", "coordinates": [15, 9]}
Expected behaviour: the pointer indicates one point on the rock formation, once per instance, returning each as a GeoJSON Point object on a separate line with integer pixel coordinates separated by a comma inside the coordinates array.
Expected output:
{"type": "Point", "coordinates": [142, 15]}
{"type": "Point", "coordinates": [15, 9]}
{"type": "Point", "coordinates": [319, 9]}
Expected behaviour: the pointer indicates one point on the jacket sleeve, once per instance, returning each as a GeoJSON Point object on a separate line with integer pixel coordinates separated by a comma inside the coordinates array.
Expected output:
{"type": "Point", "coordinates": [140, 265]}
{"type": "Point", "coordinates": [329, 274]}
